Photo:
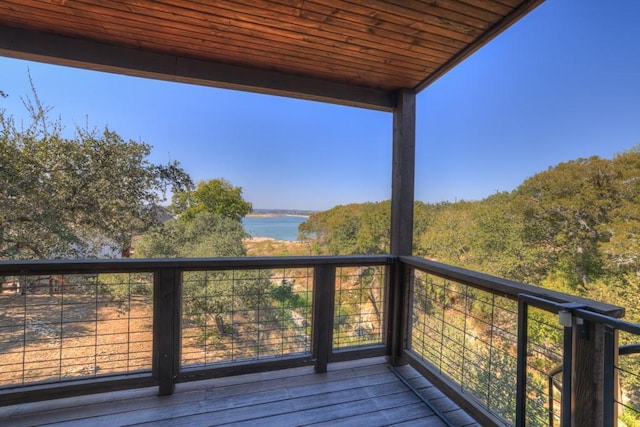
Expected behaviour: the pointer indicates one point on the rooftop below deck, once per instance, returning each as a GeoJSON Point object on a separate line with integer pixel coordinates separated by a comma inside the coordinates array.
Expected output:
{"type": "Point", "coordinates": [359, 392]}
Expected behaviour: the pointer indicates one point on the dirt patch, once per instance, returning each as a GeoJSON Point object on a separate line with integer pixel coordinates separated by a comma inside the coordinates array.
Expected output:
{"type": "Point", "coordinates": [44, 337]}
{"type": "Point", "coordinates": [265, 246]}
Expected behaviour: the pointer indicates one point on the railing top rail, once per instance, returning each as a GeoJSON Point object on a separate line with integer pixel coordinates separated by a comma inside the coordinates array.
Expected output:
{"type": "Point", "coordinates": [507, 288]}
{"type": "Point", "coordinates": [12, 268]}
{"type": "Point", "coordinates": [624, 350]}
{"type": "Point", "coordinates": [496, 285]}
{"type": "Point", "coordinates": [621, 325]}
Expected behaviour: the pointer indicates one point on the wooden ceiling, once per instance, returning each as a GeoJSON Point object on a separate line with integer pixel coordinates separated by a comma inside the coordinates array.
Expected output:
{"type": "Point", "coordinates": [355, 52]}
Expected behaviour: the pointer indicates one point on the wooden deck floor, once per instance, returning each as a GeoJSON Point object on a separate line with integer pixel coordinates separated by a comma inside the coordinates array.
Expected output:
{"type": "Point", "coordinates": [357, 393]}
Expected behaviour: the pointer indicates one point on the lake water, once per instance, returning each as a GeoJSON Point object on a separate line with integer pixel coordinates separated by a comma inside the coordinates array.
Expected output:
{"type": "Point", "coordinates": [279, 227]}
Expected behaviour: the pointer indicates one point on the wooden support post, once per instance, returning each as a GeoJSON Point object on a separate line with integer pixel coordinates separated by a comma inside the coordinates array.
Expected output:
{"type": "Point", "coordinates": [324, 290]}
{"type": "Point", "coordinates": [588, 363]}
{"type": "Point", "coordinates": [402, 198]}
{"type": "Point", "coordinates": [166, 328]}
{"type": "Point", "coordinates": [403, 173]}
{"type": "Point", "coordinates": [400, 276]}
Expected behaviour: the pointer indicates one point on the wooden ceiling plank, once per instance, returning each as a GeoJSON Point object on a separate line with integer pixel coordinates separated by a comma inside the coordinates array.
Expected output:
{"type": "Point", "coordinates": [372, 47]}
{"type": "Point", "coordinates": [386, 44]}
{"type": "Point", "coordinates": [398, 29]}
{"type": "Point", "coordinates": [143, 38]}
{"type": "Point", "coordinates": [513, 4]}
{"type": "Point", "coordinates": [39, 46]}
{"type": "Point", "coordinates": [453, 15]}
{"type": "Point", "coordinates": [249, 35]}
{"type": "Point", "coordinates": [417, 45]}
{"type": "Point", "coordinates": [343, 61]}
{"type": "Point", "coordinates": [468, 9]}
{"type": "Point", "coordinates": [332, 45]}
{"type": "Point", "coordinates": [345, 37]}
{"type": "Point", "coordinates": [490, 5]}
{"type": "Point", "coordinates": [424, 62]}
{"type": "Point", "coordinates": [394, 23]}
{"type": "Point", "coordinates": [261, 14]}
{"type": "Point", "coordinates": [375, 76]}
{"type": "Point", "coordinates": [424, 21]}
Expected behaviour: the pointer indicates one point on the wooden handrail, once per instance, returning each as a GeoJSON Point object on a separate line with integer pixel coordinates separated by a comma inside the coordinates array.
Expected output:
{"type": "Point", "coordinates": [11, 268]}
{"type": "Point", "coordinates": [507, 288]}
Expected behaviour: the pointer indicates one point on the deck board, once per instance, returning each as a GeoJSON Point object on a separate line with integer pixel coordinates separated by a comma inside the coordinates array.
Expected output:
{"type": "Point", "coordinates": [354, 393]}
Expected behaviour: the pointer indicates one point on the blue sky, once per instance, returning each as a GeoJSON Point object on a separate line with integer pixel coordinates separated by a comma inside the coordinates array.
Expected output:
{"type": "Point", "coordinates": [562, 83]}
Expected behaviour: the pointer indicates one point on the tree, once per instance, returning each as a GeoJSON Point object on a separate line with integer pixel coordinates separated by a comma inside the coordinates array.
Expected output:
{"type": "Point", "coordinates": [216, 196]}
{"type": "Point", "coordinates": [211, 294]}
{"type": "Point", "coordinates": [72, 197]}
{"type": "Point", "coordinates": [206, 236]}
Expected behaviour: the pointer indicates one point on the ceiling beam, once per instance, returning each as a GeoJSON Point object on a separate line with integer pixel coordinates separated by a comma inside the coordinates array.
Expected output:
{"type": "Point", "coordinates": [88, 54]}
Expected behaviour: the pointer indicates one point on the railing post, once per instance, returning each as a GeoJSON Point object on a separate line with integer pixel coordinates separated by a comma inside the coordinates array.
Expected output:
{"type": "Point", "coordinates": [588, 363]}
{"type": "Point", "coordinates": [166, 328]}
{"type": "Point", "coordinates": [324, 291]}
{"type": "Point", "coordinates": [399, 319]}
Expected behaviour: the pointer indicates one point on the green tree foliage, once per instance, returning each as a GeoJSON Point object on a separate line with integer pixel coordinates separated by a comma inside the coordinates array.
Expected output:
{"type": "Point", "coordinates": [206, 235]}
{"type": "Point", "coordinates": [350, 229]}
{"type": "Point", "coordinates": [210, 297]}
{"type": "Point", "coordinates": [217, 196]}
{"type": "Point", "coordinates": [574, 228]}
{"type": "Point", "coordinates": [359, 228]}
{"type": "Point", "coordinates": [334, 230]}
{"type": "Point", "coordinates": [71, 197]}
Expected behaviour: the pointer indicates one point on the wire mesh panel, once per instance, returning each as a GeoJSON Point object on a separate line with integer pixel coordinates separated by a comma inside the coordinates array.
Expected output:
{"type": "Point", "coordinates": [60, 327]}
{"type": "Point", "coordinates": [359, 306]}
{"type": "Point", "coordinates": [236, 315]}
{"type": "Point", "coordinates": [544, 368]}
{"type": "Point", "coordinates": [470, 335]}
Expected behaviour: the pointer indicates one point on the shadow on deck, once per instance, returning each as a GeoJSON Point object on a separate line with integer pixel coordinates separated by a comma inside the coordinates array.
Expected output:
{"type": "Point", "coordinates": [354, 393]}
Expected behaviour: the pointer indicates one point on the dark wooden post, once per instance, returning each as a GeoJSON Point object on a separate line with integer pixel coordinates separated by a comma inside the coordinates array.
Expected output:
{"type": "Point", "coordinates": [588, 363]}
{"type": "Point", "coordinates": [402, 198]}
{"type": "Point", "coordinates": [166, 328]}
{"type": "Point", "coordinates": [324, 291]}
{"type": "Point", "coordinates": [403, 172]}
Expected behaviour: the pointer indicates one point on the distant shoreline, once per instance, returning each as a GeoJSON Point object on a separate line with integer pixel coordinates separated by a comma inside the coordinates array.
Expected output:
{"type": "Point", "coordinates": [255, 239]}
{"type": "Point", "coordinates": [274, 215]}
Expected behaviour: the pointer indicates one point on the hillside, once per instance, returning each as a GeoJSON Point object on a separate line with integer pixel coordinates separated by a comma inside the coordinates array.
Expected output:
{"type": "Point", "coordinates": [574, 227]}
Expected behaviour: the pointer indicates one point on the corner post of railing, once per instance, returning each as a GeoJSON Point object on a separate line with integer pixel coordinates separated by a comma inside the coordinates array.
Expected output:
{"type": "Point", "coordinates": [588, 365]}
{"type": "Point", "coordinates": [324, 290]}
{"type": "Point", "coordinates": [166, 328]}
{"type": "Point", "coordinates": [400, 279]}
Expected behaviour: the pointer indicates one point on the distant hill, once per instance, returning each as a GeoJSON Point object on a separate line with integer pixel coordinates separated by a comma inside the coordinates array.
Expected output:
{"type": "Point", "coordinates": [574, 228]}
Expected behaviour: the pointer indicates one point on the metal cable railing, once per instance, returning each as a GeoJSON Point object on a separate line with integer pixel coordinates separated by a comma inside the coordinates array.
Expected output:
{"type": "Point", "coordinates": [69, 328]}
{"type": "Point", "coordinates": [470, 335]}
{"type": "Point", "coordinates": [65, 327]}
{"type": "Point", "coordinates": [238, 315]}
{"type": "Point", "coordinates": [481, 338]}
{"type": "Point", "coordinates": [114, 324]}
